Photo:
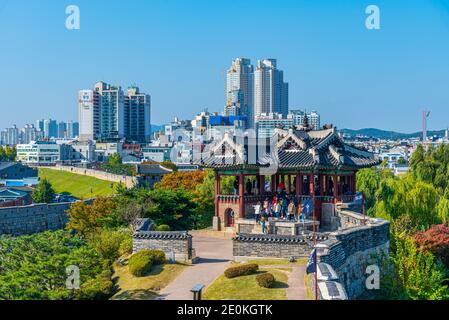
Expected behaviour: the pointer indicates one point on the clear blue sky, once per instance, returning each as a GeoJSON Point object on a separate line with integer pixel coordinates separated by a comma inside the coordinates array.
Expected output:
{"type": "Point", "coordinates": [178, 50]}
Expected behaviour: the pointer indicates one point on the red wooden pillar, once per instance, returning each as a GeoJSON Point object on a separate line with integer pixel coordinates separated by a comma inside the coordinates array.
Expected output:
{"type": "Point", "coordinates": [217, 193]}
{"type": "Point", "coordinates": [311, 184]}
{"type": "Point", "coordinates": [289, 177]}
{"type": "Point", "coordinates": [335, 177]}
{"type": "Point", "coordinates": [298, 184]}
{"type": "Point", "coordinates": [273, 183]}
{"type": "Point", "coordinates": [322, 179]}
{"type": "Point", "coordinates": [261, 185]}
{"type": "Point", "coordinates": [242, 195]}
{"type": "Point", "coordinates": [354, 182]}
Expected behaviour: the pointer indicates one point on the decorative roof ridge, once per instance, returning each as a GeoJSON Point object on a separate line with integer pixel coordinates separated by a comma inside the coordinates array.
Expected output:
{"type": "Point", "coordinates": [357, 151]}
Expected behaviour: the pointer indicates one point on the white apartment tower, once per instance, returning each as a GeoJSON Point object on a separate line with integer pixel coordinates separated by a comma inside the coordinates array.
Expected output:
{"type": "Point", "coordinates": [239, 90]}
{"type": "Point", "coordinates": [270, 90]}
{"type": "Point", "coordinates": [106, 113]}
{"type": "Point", "coordinates": [89, 115]}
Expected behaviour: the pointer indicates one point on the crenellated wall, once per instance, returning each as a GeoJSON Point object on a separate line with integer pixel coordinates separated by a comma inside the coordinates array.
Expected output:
{"type": "Point", "coordinates": [350, 251]}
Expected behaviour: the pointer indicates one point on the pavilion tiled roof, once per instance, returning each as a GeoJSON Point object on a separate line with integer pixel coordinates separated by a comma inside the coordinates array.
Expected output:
{"type": "Point", "coordinates": [295, 149]}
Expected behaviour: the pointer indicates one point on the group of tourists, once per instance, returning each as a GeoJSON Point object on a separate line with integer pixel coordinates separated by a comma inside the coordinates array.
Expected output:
{"type": "Point", "coordinates": [281, 206]}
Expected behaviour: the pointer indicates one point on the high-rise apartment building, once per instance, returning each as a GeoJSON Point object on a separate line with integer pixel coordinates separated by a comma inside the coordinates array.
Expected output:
{"type": "Point", "coordinates": [73, 129]}
{"type": "Point", "coordinates": [270, 90]}
{"type": "Point", "coordinates": [10, 136]}
{"type": "Point", "coordinates": [50, 129]}
{"type": "Point", "coordinates": [89, 114]}
{"type": "Point", "coordinates": [62, 130]}
{"type": "Point", "coordinates": [313, 118]}
{"type": "Point", "coordinates": [112, 107]}
{"type": "Point", "coordinates": [106, 113]}
{"type": "Point", "coordinates": [240, 90]}
{"type": "Point", "coordinates": [137, 115]}
{"type": "Point", "coordinates": [29, 133]}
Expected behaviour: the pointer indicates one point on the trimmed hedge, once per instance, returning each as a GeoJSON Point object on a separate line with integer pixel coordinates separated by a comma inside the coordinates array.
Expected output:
{"type": "Point", "coordinates": [157, 256]}
{"type": "Point", "coordinates": [266, 280]}
{"type": "Point", "coordinates": [163, 227]}
{"type": "Point", "coordinates": [140, 263]}
{"type": "Point", "coordinates": [241, 270]}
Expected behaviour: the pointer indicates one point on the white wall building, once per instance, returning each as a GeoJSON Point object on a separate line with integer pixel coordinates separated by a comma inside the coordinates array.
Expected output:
{"type": "Point", "coordinates": [39, 153]}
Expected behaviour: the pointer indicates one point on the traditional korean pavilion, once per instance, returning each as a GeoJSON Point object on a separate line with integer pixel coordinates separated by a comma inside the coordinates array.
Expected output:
{"type": "Point", "coordinates": [309, 164]}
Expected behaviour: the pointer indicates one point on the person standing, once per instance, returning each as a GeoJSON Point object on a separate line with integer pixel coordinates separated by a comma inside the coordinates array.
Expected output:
{"type": "Point", "coordinates": [291, 210]}
{"type": "Point", "coordinates": [277, 209]}
{"type": "Point", "coordinates": [257, 208]}
{"type": "Point", "coordinates": [263, 221]}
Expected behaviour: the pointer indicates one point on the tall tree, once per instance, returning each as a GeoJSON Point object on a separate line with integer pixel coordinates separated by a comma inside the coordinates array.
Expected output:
{"type": "Point", "coordinates": [44, 192]}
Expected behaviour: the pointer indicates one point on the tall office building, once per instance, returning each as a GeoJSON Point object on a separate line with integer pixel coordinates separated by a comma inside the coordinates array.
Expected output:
{"type": "Point", "coordinates": [270, 90]}
{"type": "Point", "coordinates": [40, 125]}
{"type": "Point", "coordinates": [240, 90]}
{"type": "Point", "coordinates": [137, 115]}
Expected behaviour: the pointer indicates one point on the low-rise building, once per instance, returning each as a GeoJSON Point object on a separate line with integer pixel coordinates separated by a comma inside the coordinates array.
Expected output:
{"type": "Point", "coordinates": [17, 174]}
{"type": "Point", "coordinates": [11, 197]}
{"type": "Point", "coordinates": [149, 174]}
{"type": "Point", "coordinates": [39, 153]}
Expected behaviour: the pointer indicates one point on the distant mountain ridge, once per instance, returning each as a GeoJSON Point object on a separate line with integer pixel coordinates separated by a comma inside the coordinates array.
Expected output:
{"type": "Point", "coordinates": [384, 134]}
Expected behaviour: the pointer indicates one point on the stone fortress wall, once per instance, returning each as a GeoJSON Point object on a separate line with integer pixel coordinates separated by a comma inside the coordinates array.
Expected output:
{"type": "Point", "coordinates": [24, 220]}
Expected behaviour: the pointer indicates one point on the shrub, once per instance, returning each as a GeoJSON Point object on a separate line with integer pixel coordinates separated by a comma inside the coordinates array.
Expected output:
{"type": "Point", "coordinates": [241, 270]}
{"type": "Point", "coordinates": [163, 227]}
{"type": "Point", "coordinates": [266, 280]}
{"type": "Point", "coordinates": [140, 263]}
{"type": "Point", "coordinates": [157, 256]}
{"type": "Point", "coordinates": [126, 247]}
{"type": "Point", "coordinates": [99, 288]}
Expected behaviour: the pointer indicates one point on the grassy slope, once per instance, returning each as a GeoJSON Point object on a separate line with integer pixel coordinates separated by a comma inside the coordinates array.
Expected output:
{"type": "Point", "coordinates": [144, 288]}
{"type": "Point", "coordinates": [77, 185]}
{"type": "Point", "coordinates": [246, 288]}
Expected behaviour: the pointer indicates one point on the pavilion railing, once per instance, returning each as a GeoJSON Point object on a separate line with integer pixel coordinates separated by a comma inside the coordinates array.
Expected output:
{"type": "Point", "coordinates": [299, 198]}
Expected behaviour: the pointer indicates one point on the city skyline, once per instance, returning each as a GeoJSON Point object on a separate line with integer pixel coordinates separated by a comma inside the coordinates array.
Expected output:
{"type": "Point", "coordinates": [382, 78]}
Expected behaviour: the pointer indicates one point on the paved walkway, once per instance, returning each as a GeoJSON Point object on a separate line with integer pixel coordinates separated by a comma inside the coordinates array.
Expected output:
{"type": "Point", "coordinates": [296, 286]}
{"type": "Point", "coordinates": [214, 255]}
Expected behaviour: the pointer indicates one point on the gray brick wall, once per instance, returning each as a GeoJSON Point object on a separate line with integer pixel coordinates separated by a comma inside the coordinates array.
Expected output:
{"type": "Point", "coordinates": [17, 221]}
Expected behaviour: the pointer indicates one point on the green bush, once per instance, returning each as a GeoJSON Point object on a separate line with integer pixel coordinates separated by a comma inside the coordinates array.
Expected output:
{"type": "Point", "coordinates": [266, 280]}
{"type": "Point", "coordinates": [241, 270]}
{"type": "Point", "coordinates": [126, 247]}
{"type": "Point", "coordinates": [163, 227]}
{"type": "Point", "coordinates": [99, 288]}
{"type": "Point", "coordinates": [140, 263]}
{"type": "Point", "coordinates": [157, 256]}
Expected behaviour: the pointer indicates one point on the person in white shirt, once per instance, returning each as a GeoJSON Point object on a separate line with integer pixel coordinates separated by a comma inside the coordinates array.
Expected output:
{"type": "Point", "coordinates": [257, 209]}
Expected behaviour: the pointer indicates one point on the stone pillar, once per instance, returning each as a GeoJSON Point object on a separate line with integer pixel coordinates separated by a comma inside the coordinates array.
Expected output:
{"type": "Point", "coordinates": [242, 195]}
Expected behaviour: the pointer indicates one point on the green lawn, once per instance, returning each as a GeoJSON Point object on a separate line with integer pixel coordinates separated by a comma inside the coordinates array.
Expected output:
{"type": "Point", "coordinates": [79, 186]}
{"type": "Point", "coordinates": [247, 288]}
{"type": "Point", "coordinates": [147, 287]}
